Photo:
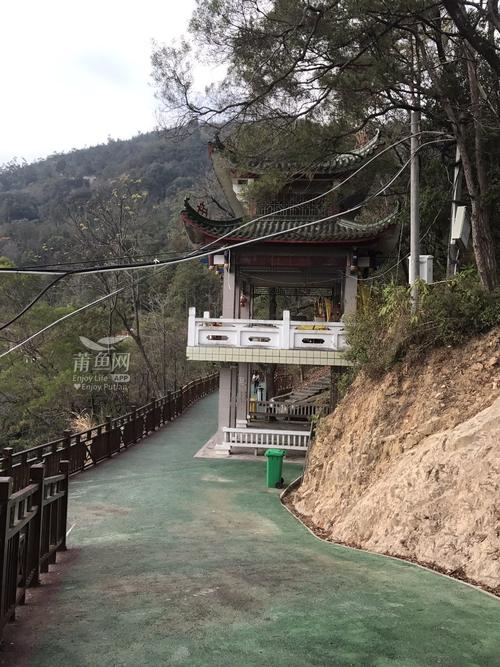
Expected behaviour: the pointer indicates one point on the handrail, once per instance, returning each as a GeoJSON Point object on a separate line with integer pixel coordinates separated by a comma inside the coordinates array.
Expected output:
{"type": "Point", "coordinates": [88, 447]}
{"type": "Point", "coordinates": [34, 487]}
{"type": "Point", "coordinates": [285, 411]}
{"type": "Point", "coordinates": [285, 334]}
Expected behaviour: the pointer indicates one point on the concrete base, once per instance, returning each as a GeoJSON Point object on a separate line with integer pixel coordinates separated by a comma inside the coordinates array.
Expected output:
{"type": "Point", "coordinates": [214, 450]}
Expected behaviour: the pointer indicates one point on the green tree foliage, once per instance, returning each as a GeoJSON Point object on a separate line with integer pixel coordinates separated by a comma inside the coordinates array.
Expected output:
{"type": "Point", "coordinates": [385, 330]}
{"type": "Point", "coordinates": [128, 213]}
{"type": "Point", "coordinates": [344, 65]}
{"type": "Point", "coordinates": [35, 199]}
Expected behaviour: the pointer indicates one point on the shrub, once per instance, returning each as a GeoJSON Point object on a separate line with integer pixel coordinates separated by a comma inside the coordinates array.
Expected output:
{"type": "Point", "coordinates": [385, 329]}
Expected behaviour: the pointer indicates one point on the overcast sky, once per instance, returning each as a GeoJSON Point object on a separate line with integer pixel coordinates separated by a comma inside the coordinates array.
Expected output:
{"type": "Point", "coordinates": [73, 74]}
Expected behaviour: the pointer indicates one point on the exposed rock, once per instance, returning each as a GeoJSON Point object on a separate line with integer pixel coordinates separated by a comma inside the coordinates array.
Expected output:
{"type": "Point", "coordinates": [416, 472]}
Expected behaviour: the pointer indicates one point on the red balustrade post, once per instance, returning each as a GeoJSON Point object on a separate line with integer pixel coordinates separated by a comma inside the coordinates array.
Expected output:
{"type": "Point", "coordinates": [66, 443]}
{"type": "Point", "coordinates": [154, 420]}
{"type": "Point", "coordinates": [169, 406]}
{"type": "Point", "coordinates": [134, 425]}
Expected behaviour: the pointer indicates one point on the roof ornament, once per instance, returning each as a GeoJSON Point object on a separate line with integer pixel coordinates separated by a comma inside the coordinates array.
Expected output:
{"type": "Point", "coordinates": [202, 209]}
{"type": "Point", "coordinates": [361, 138]}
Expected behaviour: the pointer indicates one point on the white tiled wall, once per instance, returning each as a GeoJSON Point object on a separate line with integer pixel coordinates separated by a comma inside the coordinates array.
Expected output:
{"type": "Point", "coordinates": [302, 357]}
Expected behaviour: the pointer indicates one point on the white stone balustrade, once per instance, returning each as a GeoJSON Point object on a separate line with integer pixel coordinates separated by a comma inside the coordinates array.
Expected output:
{"type": "Point", "coordinates": [256, 438]}
{"type": "Point", "coordinates": [282, 334]}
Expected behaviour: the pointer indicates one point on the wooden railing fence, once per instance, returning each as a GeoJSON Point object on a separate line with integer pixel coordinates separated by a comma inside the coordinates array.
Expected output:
{"type": "Point", "coordinates": [34, 487]}
{"type": "Point", "coordinates": [283, 411]}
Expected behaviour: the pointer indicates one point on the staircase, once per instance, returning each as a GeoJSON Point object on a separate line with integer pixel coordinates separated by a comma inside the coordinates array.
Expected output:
{"type": "Point", "coordinates": [305, 393]}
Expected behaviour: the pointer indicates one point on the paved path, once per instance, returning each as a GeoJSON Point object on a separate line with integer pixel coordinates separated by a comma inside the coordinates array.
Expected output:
{"type": "Point", "coordinates": [182, 561]}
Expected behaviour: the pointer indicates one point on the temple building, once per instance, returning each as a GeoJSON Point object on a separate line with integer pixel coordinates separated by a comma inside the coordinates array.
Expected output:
{"type": "Point", "coordinates": [300, 253]}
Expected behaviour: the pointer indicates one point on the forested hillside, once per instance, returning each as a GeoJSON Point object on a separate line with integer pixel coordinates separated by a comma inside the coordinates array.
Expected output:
{"type": "Point", "coordinates": [38, 199]}
{"type": "Point", "coordinates": [112, 203]}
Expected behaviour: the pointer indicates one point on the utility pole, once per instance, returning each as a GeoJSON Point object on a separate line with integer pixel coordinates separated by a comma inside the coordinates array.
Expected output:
{"type": "Point", "coordinates": [451, 264]}
{"type": "Point", "coordinates": [414, 269]}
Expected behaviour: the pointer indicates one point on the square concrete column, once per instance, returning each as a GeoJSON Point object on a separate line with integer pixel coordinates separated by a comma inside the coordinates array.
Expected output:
{"type": "Point", "coordinates": [228, 376]}
{"type": "Point", "coordinates": [243, 393]}
{"type": "Point", "coordinates": [350, 290]}
{"type": "Point", "coordinates": [233, 380]}
{"type": "Point", "coordinates": [230, 295]}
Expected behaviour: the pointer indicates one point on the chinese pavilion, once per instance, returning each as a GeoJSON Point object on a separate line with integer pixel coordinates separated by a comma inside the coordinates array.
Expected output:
{"type": "Point", "coordinates": [309, 271]}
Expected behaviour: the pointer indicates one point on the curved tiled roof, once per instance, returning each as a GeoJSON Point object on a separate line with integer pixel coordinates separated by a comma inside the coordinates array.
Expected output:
{"type": "Point", "coordinates": [337, 230]}
{"type": "Point", "coordinates": [338, 163]}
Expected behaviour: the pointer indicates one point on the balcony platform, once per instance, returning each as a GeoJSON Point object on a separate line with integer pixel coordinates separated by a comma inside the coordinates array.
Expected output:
{"type": "Point", "coordinates": [266, 341]}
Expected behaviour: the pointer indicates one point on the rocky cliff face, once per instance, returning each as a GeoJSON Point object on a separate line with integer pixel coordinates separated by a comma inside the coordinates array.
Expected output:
{"type": "Point", "coordinates": [410, 465]}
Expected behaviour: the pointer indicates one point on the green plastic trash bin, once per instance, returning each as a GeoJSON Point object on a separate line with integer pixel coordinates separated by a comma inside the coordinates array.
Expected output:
{"type": "Point", "coordinates": [274, 468]}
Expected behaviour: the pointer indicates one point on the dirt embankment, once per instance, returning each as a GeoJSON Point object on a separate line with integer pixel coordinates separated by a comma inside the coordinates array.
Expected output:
{"type": "Point", "coordinates": [410, 465]}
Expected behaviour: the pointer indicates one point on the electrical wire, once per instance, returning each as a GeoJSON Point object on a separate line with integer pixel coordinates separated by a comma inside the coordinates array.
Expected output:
{"type": "Point", "coordinates": [31, 303]}
{"type": "Point", "coordinates": [333, 188]}
{"type": "Point", "coordinates": [239, 244]}
{"type": "Point", "coordinates": [402, 259]}
{"type": "Point", "coordinates": [196, 253]}
{"type": "Point", "coordinates": [72, 313]}
{"type": "Point", "coordinates": [185, 259]}
{"type": "Point", "coordinates": [40, 269]}
{"type": "Point", "coordinates": [92, 261]}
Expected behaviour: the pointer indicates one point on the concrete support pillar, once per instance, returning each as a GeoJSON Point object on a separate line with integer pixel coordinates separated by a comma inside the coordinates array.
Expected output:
{"type": "Point", "coordinates": [350, 290]}
{"type": "Point", "coordinates": [234, 379]}
{"type": "Point", "coordinates": [227, 400]}
{"type": "Point", "coordinates": [243, 393]}
{"type": "Point", "coordinates": [336, 373]}
{"type": "Point", "coordinates": [230, 295]}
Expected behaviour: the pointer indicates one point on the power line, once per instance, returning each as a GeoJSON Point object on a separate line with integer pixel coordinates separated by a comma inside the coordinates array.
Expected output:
{"type": "Point", "coordinates": [31, 303]}
{"type": "Point", "coordinates": [402, 259]}
{"type": "Point", "coordinates": [40, 269]}
{"type": "Point", "coordinates": [143, 265]}
{"type": "Point", "coordinates": [92, 261]}
{"type": "Point", "coordinates": [203, 253]}
{"type": "Point", "coordinates": [74, 312]}
{"type": "Point", "coordinates": [332, 189]}
{"type": "Point", "coordinates": [240, 244]}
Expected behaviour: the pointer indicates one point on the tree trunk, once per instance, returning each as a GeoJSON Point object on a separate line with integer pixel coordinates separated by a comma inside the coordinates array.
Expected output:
{"type": "Point", "coordinates": [476, 178]}
{"type": "Point", "coordinates": [475, 175]}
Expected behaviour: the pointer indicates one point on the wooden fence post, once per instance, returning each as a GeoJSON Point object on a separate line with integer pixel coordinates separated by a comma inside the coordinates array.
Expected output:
{"type": "Point", "coordinates": [153, 414]}
{"type": "Point", "coordinates": [134, 423]}
{"type": "Point", "coordinates": [64, 470]}
{"type": "Point", "coordinates": [67, 443]}
{"type": "Point", "coordinates": [109, 428]}
{"type": "Point", "coordinates": [37, 475]}
{"type": "Point", "coordinates": [7, 463]}
{"type": "Point", "coordinates": [5, 493]}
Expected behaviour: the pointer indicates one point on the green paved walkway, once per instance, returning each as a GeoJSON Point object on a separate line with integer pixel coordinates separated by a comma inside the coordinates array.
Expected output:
{"type": "Point", "coordinates": [182, 561]}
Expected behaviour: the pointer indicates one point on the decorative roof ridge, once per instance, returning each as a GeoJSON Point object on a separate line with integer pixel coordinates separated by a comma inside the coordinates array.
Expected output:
{"type": "Point", "coordinates": [361, 226]}
{"type": "Point", "coordinates": [337, 162]}
{"type": "Point", "coordinates": [199, 217]}
{"type": "Point", "coordinates": [339, 230]}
